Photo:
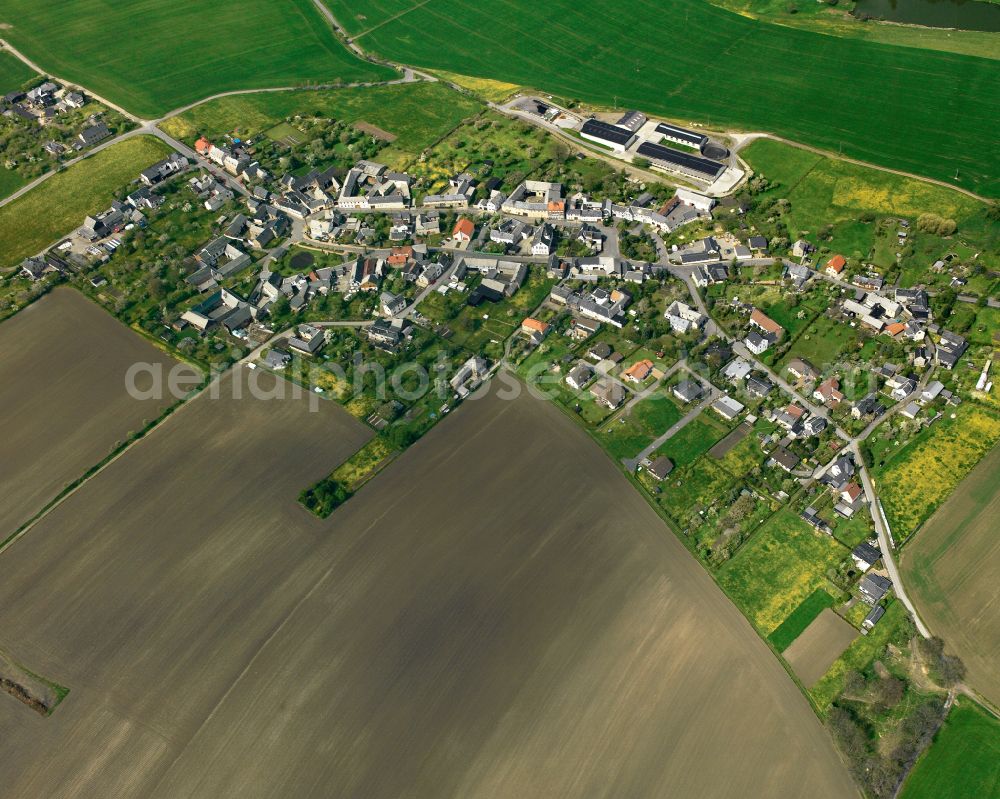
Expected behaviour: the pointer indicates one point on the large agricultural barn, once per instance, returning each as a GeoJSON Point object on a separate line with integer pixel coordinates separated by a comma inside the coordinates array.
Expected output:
{"type": "Point", "coordinates": [617, 138]}
{"type": "Point", "coordinates": [671, 160]}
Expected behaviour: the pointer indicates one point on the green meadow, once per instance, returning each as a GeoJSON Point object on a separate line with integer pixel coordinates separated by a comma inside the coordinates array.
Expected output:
{"type": "Point", "coordinates": [13, 73]}
{"type": "Point", "coordinates": [153, 57]}
{"type": "Point", "coordinates": [417, 114]}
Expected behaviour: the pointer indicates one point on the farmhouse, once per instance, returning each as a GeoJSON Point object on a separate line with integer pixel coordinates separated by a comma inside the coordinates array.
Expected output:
{"type": "Point", "coordinates": [469, 375]}
{"type": "Point", "coordinates": [765, 323]}
{"type": "Point", "coordinates": [950, 348]}
{"type": "Point", "coordinates": [536, 199]}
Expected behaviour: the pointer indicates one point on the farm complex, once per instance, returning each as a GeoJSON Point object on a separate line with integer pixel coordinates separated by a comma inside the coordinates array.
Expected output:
{"type": "Point", "coordinates": [516, 400]}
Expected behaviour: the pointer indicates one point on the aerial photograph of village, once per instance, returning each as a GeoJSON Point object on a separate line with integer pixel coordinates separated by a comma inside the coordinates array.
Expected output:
{"type": "Point", "coordinates": [434, 399]}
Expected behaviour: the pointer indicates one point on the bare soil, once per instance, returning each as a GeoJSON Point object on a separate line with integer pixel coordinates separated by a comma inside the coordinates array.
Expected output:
{"type": "Point", "coordinates": [63, 398]}
{"type": "Point", "coordinates": [820, 644]}
{"type": "Point", "coordinates": [497, 614]}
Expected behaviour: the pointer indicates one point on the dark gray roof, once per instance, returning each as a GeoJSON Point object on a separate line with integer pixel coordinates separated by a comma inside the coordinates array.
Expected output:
{"type": "Point", "coordinates": [693, 163]}
{"type": "Point", "coordinates": [602, 130]}
{"type": "Point", "coordinates": [687, 136]}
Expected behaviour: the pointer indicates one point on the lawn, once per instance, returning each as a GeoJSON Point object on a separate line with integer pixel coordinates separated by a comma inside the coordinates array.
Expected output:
{"type": "Point", "coordinates": [919, 93]}
{"type": "Point", "coordinates": [10, 181]}
{"type": "Point", "coordinates": [627, 435]}
{"type": "Point", "coordinates": [824, 343]}
{"type": "Point", "coordinates": [14, 73]}
{"type": "Point", "coordinates": [800, 618]}
{"type": "Point", "coordinates": [416, 113]}
{"type": "Point", "coordinates": [57, 207]}
{"type": "Point", "coordinates": [964, 759]}
{"type": "Point", "coordinates": [693, 440]}
{"type": "Point", "coordinates": [782, 564]}
{"type": "Point", "coordinates": [916, 479]}
{"type": "Point", "coordinates": [153, 57]}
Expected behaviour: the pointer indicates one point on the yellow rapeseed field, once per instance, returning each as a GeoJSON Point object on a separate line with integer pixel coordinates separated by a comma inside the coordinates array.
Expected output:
{"type": "Point", "coordinates": [924, 474]}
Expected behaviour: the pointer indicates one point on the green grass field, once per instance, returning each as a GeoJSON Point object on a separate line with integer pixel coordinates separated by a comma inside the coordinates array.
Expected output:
{"type": "Point", "coordinates": [921, 111]}
{"type": "Point", "coordinates": [964, 759]}
{"type": "Point", "coordinates": [416, 113]}
{"type": "Point", "coordinates": [693, 440]}
{"type": "Point", "coordinates": [782, 564]}
{"type": "Point", "coordinates": [627, 435]}
{"type": "Point", "coordinates": [153, 57]}
{"type": "Point", "coordinates": [57, 207]}
{"type": "Point", "coordinates": [13, 73]}
{"type": "Point", "coordinates": [800, 618]}
{"type": "Point", "coordinates": [827, 191]}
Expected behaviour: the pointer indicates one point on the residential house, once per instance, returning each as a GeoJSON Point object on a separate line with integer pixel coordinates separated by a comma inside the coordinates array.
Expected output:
{"type": "Point", "coordinates": [784, 458]}
{"type": "Point", "coordinates": [580, 375]}
{"type": "Point", "coordinates": [873, 588]}
{"type": "Point", "coordinates": [659, 468]}
{"type": "Point", "coordinates": [464, 230]}
{"type": "Point", "coordinates": [638, 372]}
{"type": "Point", "coordinates": [866, 555]}
{"type": "Point", "coordinates": [835, 266]}
{"type": "Point", "coordinates": [535, 329]}
{"type": "Point", "coordinates": [683, 318]}
{"type": "Point", "coordinates": [687, 391]}
{"type": "Point", "coordinates": [801, 369]}
{"type": "Point", "coordinates": [728, 408]}
{"type": "Point", "coordinates": [607, 392]}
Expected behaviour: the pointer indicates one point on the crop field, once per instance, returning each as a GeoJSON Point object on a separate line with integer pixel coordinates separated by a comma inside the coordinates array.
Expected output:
{"type": "Point", "coordinates": [416, 113]}
{"type": "Point", "coordinates": [426, 647]}
{"type": "Point", "coordinates": [819, 645]}
{"type": "Point", "coordinates": [63, 417]}
{"type": "Point", "coordinates": [782, 564]}
{"type": "Point", "coordinates": [151, 58]}
{"type": "Point", "coordinates": [58, 206]}
{"type": "Point", "coordinates": [921, 475]}
{"type": "Point", "coordinates": [951, 570]}
{"type": "Point", "coordinates": [964, 759]}
{"type": "Point", "coordinates": [148, 592]}
{"type": "Point", "coordinates": [800, 618]}
{"type": "Point", "coordinates": [14, 73]}
{"type": "Point", "coordinates": [557, 47]}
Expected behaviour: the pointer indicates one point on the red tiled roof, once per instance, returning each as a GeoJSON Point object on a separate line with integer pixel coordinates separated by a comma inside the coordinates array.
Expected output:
{"type": "Point", "coordinates": [765, 322]}
{"type": "Point", "coordinates": [837, 263]}
{"type": "Point", "coordinates": [465, 227]}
